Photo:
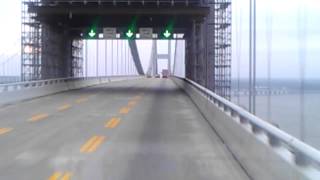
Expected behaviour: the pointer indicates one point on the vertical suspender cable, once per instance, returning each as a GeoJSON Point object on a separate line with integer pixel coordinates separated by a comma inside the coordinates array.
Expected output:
{"type": "Point", "coordinates": [106, 54]}
{"type": "Point", "coordinates": [127, 58]}
{"type": "Point", "coordinates": [250, 55]}
{"type": "Point", "coordinates": [254, 57]}
{"type": "Point", "coordinates": [175, 57]}
{"type": "Point", "coordinates": [111, 57]}
{"type": "Point", "coordinates": [86, 57]}
{"type": "Point", "coordinates": [97, 66]}
{"type": "Point", "coordinates": [239, 49]}
{"type": "Point", "coordinates": [302, 58]}
{"type": "Point", "coordinates": [269, 57]}
{"type": "Point", "coordinates": [120, 59]}
{"type": "Point", "coordinates": [127, 62]}
{"type": "Point", "coordinates": [124, 57]}
{"type": "Point", "coordinates": [121, 62]}
{"type": "Point", "coordinates": [117, 59]}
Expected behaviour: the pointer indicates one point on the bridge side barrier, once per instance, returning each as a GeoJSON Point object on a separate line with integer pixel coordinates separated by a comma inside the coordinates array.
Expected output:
{"type": "Point", "coordinates": [20, 91]}
{"type": "Point", "coordinates": [264, 151]}
{"type": "Point", "coordinates": [171, 2]}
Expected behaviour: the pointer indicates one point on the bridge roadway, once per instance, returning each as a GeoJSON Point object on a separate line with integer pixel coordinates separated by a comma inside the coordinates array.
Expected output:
{"type": "Point", "coordinates": [134, 130]}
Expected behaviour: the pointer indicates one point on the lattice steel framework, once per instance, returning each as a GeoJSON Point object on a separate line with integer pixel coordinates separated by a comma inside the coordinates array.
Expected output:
{"type": "Point", "coordinates": [219, 25]}
{"type": "Point", "coordinates": [54, 53]}
{"type": "Point", "coordinates": [30, 44]}
{"type": "Point", "coordinates": [77, 58]}
{"type": "Point", "coordinates": [47, 52]}
{"type": "Point", "coordinates": [208, 49]}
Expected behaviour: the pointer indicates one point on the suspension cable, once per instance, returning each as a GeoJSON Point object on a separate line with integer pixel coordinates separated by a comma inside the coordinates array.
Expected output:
{"type": "Point", "coordinates": [302, 40]}
{"type": "Point", "coordinates": [269, 38]}
{"type": "Point", "coordinates": [238, 46]}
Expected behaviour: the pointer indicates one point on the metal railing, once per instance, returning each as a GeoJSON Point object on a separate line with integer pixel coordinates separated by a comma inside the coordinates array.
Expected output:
{"type": "Point", "coordinates": [115, 2]}
{"type": "Point", "coordinates": [304, 155]}
{"type": "Point", "coordinates": [40, 83]}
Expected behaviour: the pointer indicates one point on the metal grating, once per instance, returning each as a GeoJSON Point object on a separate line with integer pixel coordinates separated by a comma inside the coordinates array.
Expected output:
{"type": "Point", "coordinates": [47, 52]}
{"type": "Point", "coordinates": [30, 44]}
{"type": "Point", "coordinates": [219, 49]}
{"type": "Point", "coordinates": [208, 60]}
{"type": "Point", "coordinates": [77, 58]}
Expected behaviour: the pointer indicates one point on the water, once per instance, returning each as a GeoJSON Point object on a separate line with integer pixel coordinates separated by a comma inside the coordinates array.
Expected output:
{"type": "Point", "coordinates": [9, 79]}
{"type": "Point", "coordinates": [286, 108]}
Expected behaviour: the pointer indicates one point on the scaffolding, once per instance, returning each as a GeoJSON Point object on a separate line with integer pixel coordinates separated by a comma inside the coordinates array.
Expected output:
{"type": "Point", "coordinates": [30, 44]}
{"type": "Point", "coordinates": [219, 47]}
{"type": "Point", "coordinates": [77, 58]}
{"type": "Point", "coordinates": [47, 52]}
{"type": "Point", "coordinates": [208, 49]}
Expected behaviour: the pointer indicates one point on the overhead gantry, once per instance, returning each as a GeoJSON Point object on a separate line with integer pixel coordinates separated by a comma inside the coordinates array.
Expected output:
{"type": "Point", "coordinates": [63, 22]}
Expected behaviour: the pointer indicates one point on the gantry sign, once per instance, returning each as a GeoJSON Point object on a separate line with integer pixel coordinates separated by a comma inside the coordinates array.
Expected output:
{"type": "Point", "coordinates": [63, 22]}
{"type": "Point", "coordinates": [91, 18]}
{"type": "Point", "coordinates": [51, 27]}
{"type": "Point", "coordinates": [131, 34]}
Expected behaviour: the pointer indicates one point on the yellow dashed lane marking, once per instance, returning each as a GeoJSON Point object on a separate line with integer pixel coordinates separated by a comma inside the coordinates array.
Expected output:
{"type": "Point", "coordinates": [132, 103]}
{"type": "Point", "coordinates": [81, 100]}
{"type": "Point", "coordinates": [92, 144]}
{"type": "Point", "coordinates": [38, 117]}
{"type": "Point", "coordinates": [55, 176]}
{"type": "Point", "coordinates": [67, 176]}
{"type": "Point", "coordinates": [124, 110]}
{"type": "Point", "coordinates": [5, 130]}
{"type": "Point", "coordinates": [60, 176]}
{"type": "Point", "coordinates": [112, 123]}
{"type": "Point", "coordinates": [137, 97]}
{"type": "Point", "coordinates": [64, 107]}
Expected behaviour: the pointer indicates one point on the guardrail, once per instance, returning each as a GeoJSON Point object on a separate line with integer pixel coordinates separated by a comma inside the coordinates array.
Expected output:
{"type": "Point", "coordinates": [158, 2]}
{"type": "Point", "coordinates": [304, 157]}
{"type": "Point", "coordinates": [25, 90]}
{"type": "Point", "coordinates": [304, 154]}
{"type": "Point", "coordinates": [40, 83]}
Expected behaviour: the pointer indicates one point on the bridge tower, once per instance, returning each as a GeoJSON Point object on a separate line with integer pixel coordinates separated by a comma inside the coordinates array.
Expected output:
{"type": "Point", "coordinates": [208, 49]}
{"type": "Point", "coordinates": [156, 56]}
{"type": "Point", "coordinates": [52, 33]}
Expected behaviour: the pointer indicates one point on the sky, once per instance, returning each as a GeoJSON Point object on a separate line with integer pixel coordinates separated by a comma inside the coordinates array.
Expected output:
{"type": "Point", "coordinates": [10, 27]}
{"type": "Point", "coordinates": [289, 18]}
{"type": "Point", "coordinates": [286, 19]}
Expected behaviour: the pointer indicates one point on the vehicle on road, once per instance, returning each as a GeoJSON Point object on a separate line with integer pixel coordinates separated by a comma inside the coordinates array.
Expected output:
{"type": "Point", "coordinates": [165, 73]}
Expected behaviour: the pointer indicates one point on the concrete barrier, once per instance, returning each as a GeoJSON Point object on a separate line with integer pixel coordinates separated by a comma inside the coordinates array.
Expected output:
{"type": "Point", "coordinates": [262, 157]}
{"type": "Point", "coordinates": [10, 93]}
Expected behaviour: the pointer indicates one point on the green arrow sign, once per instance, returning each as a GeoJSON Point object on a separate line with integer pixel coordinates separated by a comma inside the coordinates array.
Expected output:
{"type": "Point", "coordinates": [129, 33]}
{"type": "Point", "coordinates": [92, 33]}
{"type": "Point", "coordinates": [166, 34]}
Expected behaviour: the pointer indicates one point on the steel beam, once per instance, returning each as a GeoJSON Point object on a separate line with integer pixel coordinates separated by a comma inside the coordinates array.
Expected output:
{"type": "Point", "coordinates": [135, 55]}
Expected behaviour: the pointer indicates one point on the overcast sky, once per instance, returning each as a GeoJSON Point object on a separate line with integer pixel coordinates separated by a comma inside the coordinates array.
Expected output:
{"type": "Point", "coordinates": [288, 18]}
{"type": "Point", "coordinates": [285, 40]}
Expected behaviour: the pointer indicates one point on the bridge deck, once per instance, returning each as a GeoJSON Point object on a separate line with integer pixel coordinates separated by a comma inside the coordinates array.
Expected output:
{"type": "Point", "coordinates": [155, 132]}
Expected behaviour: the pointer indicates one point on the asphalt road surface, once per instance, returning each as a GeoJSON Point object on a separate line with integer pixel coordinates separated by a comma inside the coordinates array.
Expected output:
{"type": "Point", "coordinates": [145, 129]}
